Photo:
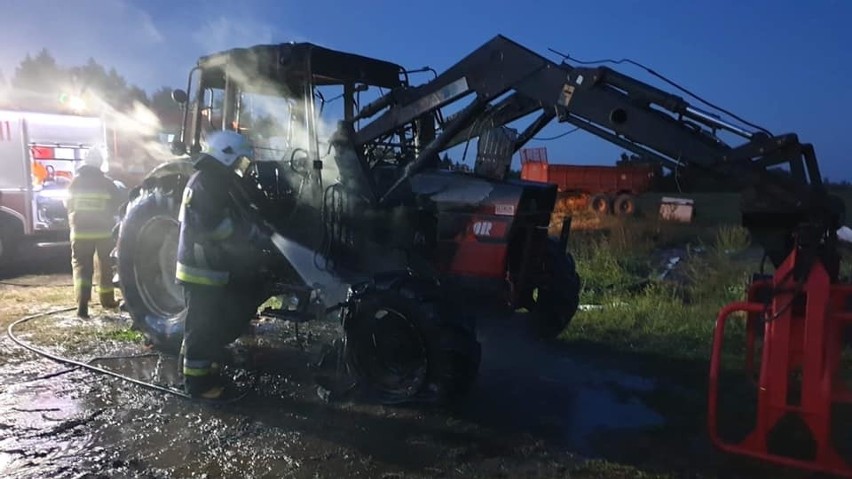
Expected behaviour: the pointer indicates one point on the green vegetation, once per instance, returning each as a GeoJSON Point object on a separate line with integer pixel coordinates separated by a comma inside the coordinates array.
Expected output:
{"type": "Point", "coordinates": [123, 334]}
{"type": "Point", "coordinates": [631, 306]}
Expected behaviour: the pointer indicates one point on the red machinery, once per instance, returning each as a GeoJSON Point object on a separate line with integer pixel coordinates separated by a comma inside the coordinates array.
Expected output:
{"type": "Point", "coordinates": [803, 322]}
{"type": "Point", "coordinates": [612, 188]}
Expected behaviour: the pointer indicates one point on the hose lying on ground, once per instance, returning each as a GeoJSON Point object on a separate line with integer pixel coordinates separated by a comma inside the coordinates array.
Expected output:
{"type": "Point", "coordinates": [91, 367]}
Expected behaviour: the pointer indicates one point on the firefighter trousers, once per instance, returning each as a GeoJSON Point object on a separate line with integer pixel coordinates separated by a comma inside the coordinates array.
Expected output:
{"type": "Point", "coordinates": [215, 317]}
{"type": "Point", "coordinates": [83, 263]}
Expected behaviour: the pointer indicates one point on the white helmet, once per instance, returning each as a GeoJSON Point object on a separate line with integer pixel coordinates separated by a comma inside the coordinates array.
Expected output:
{"type": "Point", "coordinates": [227, 147]}
{"type": "Point", "coordinates": [94, 158]}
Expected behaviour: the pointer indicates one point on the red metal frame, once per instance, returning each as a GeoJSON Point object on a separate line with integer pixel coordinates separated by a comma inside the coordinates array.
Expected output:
{"type": "Point", "coordinates": [808, 340]}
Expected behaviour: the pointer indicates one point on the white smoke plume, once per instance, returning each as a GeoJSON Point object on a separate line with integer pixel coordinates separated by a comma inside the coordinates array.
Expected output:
{"type": "Point", "coordinates": [225, 33]}
{"type": "Point", "coordinates": [264, 98]}
{"type": "Point", "coordinates": [135, 144]}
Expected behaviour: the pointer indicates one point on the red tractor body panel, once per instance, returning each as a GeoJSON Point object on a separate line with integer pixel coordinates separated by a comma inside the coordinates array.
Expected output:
{"type": "Point", "coordinates": [480, 222]}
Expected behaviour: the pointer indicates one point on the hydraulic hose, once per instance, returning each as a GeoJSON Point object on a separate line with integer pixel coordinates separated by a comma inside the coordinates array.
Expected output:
{"type": "Point", "coordinates": [87, 365]}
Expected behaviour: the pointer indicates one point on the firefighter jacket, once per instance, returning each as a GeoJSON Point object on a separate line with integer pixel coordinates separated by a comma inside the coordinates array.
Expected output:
{"type": "Point", "coordinates": [216, 246]}
{"type": "Point", "coordinates": [93, 203]}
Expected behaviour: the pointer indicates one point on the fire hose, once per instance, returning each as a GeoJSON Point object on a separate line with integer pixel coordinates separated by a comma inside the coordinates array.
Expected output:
{"type": "Point", "coordinates": [91, 367]}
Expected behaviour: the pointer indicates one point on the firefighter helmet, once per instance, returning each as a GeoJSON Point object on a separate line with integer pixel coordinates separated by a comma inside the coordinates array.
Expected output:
{"type": "Point", "coordinates": [227, 147]}
{"type": "Point", "coordinates": [94, 157]}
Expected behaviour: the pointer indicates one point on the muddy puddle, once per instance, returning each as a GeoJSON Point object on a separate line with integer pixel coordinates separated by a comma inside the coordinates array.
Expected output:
{"type": "Point", "coordinates": [534, 411]}
{"type": "Point", "coordinates": [530, 387]}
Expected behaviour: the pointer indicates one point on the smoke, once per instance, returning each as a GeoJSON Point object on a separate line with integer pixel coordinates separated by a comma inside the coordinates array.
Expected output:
{"type": "Point", "coordinates": [137, 146]}
{"type": "Point", "coordinates": [264, 99]}
{"type": "Point", "coordinates": [5, 92]}
{"type": "Point", "coordinates": [223, 33]}
{"type": "Point", "coordinates": [141, 129]}
{"type": "Point", "coordinates": [272, 117]}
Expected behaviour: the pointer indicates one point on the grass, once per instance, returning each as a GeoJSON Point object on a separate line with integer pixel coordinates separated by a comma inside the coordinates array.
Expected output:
{"type": "Point", "coordinates": [662, 326]}
{"type": "Point", "coordinates": [51, 292]}
{"type": "Point", "coordinates": [122, 335]}
{"type": "Point", "coordinates": [633, 308]}
{"type": "Point", "coordinates": [42, 296]}
{"type": "Point", "coordinates": [620, 264]}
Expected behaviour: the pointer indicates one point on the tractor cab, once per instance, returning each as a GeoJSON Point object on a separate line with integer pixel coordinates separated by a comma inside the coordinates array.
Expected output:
{"type": "Point", "coordinates": [287, 99]}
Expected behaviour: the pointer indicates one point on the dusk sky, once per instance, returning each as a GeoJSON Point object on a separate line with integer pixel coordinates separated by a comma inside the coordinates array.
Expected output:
{"type": "Point", "coordinates": [782, 64]}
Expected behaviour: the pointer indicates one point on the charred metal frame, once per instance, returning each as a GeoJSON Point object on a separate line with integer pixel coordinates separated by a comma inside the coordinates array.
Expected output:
{"type": "Point", "coordinates": [626, 112]}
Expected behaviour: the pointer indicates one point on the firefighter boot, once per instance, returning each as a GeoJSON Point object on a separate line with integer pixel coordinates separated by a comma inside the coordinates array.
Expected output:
{"type": "Point", "coordinates": [84, 295]}
{"type": "Point", "coordinates": [108, 299]}
{"type": "Point", "coordinates": [202, 380]}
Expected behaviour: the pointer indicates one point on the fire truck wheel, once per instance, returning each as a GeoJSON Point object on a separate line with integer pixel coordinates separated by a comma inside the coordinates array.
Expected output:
{"type": "Point", "coordinates": [555, 301]}
{"type": "Point", "coordinates": [405, 344]}
{"type": "Point", "coordinates": [5, 246]}
{"type": "Point", "coordinates": [625, 205]}
{"type": "Point", "coordinates": [10, 237]}
{"type": "Point", "coordinates": [147, 253]}
{"type": "Point", "coordinates": [599, 204]}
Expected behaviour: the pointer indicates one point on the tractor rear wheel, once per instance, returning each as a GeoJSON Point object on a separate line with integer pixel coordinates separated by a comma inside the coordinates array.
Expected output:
{"type": "Point", "coordinates": [556, 299]}
{"type": "Point", "coordinates": [404, 343]}
{"type": "Point", "coordinates": [147, 254]}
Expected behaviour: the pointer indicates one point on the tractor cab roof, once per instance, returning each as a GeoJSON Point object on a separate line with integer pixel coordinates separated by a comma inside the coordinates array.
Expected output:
{"type": "Point", "coordinates": [289, 64]}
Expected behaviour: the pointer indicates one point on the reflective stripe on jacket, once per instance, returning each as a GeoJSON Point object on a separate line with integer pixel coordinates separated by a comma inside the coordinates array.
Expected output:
{"type": "Point", "coordinates": [206, 224]}
{"type": "Point", "coordinates": [93, 201]}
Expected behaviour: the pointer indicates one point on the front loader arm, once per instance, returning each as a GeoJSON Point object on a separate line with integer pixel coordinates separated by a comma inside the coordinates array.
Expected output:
{"type": "Point", "coordinates": [626, 112]}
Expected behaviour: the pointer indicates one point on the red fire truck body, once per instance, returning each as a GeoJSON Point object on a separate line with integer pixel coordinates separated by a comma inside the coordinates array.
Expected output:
{"type": "Point", "coordinates": [39, 153]}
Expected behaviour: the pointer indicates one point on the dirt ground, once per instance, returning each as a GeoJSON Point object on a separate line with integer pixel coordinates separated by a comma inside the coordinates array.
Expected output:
{"type": "Point", "coordinates": [537, 410]}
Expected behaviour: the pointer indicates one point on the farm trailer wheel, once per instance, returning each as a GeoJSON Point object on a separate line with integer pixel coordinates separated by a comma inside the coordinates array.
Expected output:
{"type": "Point", "coordinates": [405, 343]}
{"type": "Point", "coordinates": [555, 300]}
{"type": "Point", "coordinates": [624, 205]}
{"type": "Point", "coordinates": [600, 204]}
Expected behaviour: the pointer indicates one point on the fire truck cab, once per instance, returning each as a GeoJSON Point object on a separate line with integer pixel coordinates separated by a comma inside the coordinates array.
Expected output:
{"type": "Point", "coordinates": [39, 154]}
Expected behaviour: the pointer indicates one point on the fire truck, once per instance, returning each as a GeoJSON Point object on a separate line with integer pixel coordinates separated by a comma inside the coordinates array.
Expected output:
{"type": "Point", "coordinates": [39, 153]}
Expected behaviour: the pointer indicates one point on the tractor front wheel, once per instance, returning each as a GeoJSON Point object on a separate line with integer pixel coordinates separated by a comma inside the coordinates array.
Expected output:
{"type": "Point", "coordinates": [556, 299]}
{"type": "Point", "coordinates": [147, 255]}
{"type": "Point", "coordinates": [404, 343]}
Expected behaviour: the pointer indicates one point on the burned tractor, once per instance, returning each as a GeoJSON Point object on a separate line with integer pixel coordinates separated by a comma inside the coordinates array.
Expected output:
{"type": "Point", "coordinates": [362, 221]}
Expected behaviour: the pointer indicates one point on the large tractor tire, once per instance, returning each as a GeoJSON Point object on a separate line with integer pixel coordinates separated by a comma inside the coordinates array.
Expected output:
{"type": "Point", "coordinates": [147, 253]}
{"type": "Point", "coordinates": [555, 301]}
{"type": "Point", "coordinates": [405, 344]}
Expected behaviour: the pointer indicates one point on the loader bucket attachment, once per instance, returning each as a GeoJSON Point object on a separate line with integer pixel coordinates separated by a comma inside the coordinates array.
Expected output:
{"type": "Point", "coordinates": [494, 153]}
{"type": "Point", "coordinates": [798, 377]}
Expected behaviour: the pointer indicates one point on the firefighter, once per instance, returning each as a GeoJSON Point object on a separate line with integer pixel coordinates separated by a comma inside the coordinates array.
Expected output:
{"type": "Point", "coordinates": [92, 205]}
{"type": "Point", "coordinates": [217, 262]}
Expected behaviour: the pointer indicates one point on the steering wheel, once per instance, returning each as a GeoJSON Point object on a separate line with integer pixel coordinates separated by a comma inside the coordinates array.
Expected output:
{"type": "Point", "coordinates": [303, 172]}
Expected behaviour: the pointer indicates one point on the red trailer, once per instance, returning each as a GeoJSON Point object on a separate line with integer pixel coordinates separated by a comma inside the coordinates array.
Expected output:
{"type": "Point", "coordinates": [609, 188]}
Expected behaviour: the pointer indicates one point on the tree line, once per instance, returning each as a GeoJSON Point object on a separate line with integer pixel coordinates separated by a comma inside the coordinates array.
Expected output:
{"type": "Point", "coordinates": [40, 83]}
